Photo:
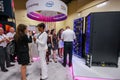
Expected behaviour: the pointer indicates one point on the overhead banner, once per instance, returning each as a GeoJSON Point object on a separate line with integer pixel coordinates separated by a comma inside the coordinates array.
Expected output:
{"type": "Point", "coordinates": [46, 5]}
{"type": "Point", "coordinates": [46, 10]}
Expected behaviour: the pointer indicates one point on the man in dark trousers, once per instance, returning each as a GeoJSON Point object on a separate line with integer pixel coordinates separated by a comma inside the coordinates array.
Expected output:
{"type": "Point", "coordinates": [68, 37]}
{"type": "Point", "coordinates": [4, 56]}
{"type": "Point", "coordinates": [2, 51]}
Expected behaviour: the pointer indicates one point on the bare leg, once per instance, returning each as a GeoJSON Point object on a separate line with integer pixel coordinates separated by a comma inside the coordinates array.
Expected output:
{"type": "Point", "coordinates": [62, 51]}
{"type": "Point", "coordinates": [54, 56]}
{"type": "Point", "coordinates": [23, 72]}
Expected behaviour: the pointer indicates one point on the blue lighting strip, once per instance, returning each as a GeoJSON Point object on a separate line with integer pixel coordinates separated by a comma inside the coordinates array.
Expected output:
{"type": "Point", "coordinates": [77, 48]}
{"type": "Point", "coordinates": [87, 43]}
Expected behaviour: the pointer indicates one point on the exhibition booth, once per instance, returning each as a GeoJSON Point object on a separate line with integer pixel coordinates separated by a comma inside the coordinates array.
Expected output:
{"type": "Point", "coordinates": [97, 45]}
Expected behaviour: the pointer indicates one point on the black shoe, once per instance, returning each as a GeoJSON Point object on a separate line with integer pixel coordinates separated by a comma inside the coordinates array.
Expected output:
{"type": "Point", "coordinates": [32, 61]}
{"type": "Point", "coordinates": [40, 74]}
{"type": "Point", "coordinates": [70, 65]}
{"type": "Point", "coordinates": [4, 70]}
{"type": "Point", "coordinates": [13, 61]}
{"type": "Point", "coordinates": [27, 74]}
{"type": "Point", "coordinates": [29, 64]}
{"type": "Point", "coordinates": [47, 62]}
{"type": "Point", "coordinates": [44, 79]}
{"type": "Point", "coordinates": [64, 65]}
{"type": "Point", "coordinates": [10, 65]}
{"type": "Point", "coordinates": [55, 61]}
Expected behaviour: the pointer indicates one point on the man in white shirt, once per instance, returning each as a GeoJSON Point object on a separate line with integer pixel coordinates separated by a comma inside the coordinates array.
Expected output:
{"type": "Point", "coordinates": [10, 35]}
{"type": "Point", "coordinates": [2, 50]}
{"type": "Point", "coordinates": [4, 55]}
{"type": "Point", "coordinates": [68, 37]}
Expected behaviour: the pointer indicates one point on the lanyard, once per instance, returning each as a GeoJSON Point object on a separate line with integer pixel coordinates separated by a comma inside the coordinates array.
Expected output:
{"type": "Point", "coordinates": [39, 35]}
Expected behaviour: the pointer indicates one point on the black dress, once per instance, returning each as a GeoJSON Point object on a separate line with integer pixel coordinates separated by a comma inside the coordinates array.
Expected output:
{"type": "Point", "coordinates": [22, 50]}
{"type": "Point", "coordinates": [55, 42]}
{"type": "Point", "coordinates": [49, 44]}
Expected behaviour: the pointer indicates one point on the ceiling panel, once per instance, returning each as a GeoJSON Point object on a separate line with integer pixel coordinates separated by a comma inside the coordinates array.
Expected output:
{"type": "Point", "coordinates": [21, 4]}
{"type": "Point", "coordinates": [83, 2]}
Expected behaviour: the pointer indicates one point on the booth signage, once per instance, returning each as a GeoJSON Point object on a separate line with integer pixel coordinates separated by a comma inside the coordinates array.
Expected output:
{"type": "Point", "coordinates": [1, 6]}
{"type": "Point", "coordinates": [6, 8]}
{"type": "Point", "coordinates": [49, 4]}
{"type": "Point", "coordinates": [38, 10]}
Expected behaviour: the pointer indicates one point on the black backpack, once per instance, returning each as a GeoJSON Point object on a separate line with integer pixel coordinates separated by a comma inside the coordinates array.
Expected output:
{"type": "Point", "coordinates": [11, 47]}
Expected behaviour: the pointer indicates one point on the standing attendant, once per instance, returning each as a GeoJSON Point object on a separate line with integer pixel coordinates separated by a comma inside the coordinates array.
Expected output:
{"type": "Point", "coordinates": [2, 50]}
{"type": "Point", "coordinates": [41, 41]}
{"type": "Point", "coordinates": [68, 37]}
{"type": "Point", "coordinates": [11, 34]}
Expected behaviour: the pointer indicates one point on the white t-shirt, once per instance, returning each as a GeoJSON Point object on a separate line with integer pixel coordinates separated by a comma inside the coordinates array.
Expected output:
{"type": "Point", "coordinates": [68, 35]}
{"type": "Point", "coordinates": [1, 38]}
{"type": "Point", "coordinates": [10, 35]}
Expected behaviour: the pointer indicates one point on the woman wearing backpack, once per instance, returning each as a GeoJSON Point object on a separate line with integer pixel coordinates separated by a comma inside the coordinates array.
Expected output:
{"type": "Point", "coordinates": [22, 49]}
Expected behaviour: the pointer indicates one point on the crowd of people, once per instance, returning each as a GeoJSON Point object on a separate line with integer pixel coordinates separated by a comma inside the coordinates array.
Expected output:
{"type": "Point", "coordinates": [48, 45]}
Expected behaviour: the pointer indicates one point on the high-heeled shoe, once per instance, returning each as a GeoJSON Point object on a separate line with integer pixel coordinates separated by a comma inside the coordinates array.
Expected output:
{"type": "Point", "coordinates": [55, 61]}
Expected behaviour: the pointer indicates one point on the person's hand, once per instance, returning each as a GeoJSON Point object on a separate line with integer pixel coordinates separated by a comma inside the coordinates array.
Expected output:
{"type": "Point", "coordinates": [7, 40]}
{"type": "Point", "coordinates": [3, 40]}
{"type": "Point", "coordinates": [34, 39]}
{"type": "Point", "coordinates": [47, 50]}
{"type": "Point", "coordinates": [11, 38]}
{"type": "Point", "coordinates": [52, 46]}
{"type": "Point", "coordinates": [30, 33]}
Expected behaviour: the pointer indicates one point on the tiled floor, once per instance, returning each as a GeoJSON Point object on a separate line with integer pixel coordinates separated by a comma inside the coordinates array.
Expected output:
{"type": "Point", "coordinates": [82, 72]}
{"type": "Point", "coordinates": [55, 71]}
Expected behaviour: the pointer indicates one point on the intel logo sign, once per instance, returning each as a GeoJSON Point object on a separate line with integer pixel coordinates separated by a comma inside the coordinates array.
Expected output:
{"type": "Point", "coordinates": [49, 4]}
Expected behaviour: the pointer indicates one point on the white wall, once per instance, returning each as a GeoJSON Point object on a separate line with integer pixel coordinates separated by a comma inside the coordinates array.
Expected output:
{"type": "Point", "coordinates": [22, 18]}
{"type": "Point", "coordinates": [20, 13]}
{"type": "Point", "coordinates": [60, 25]}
